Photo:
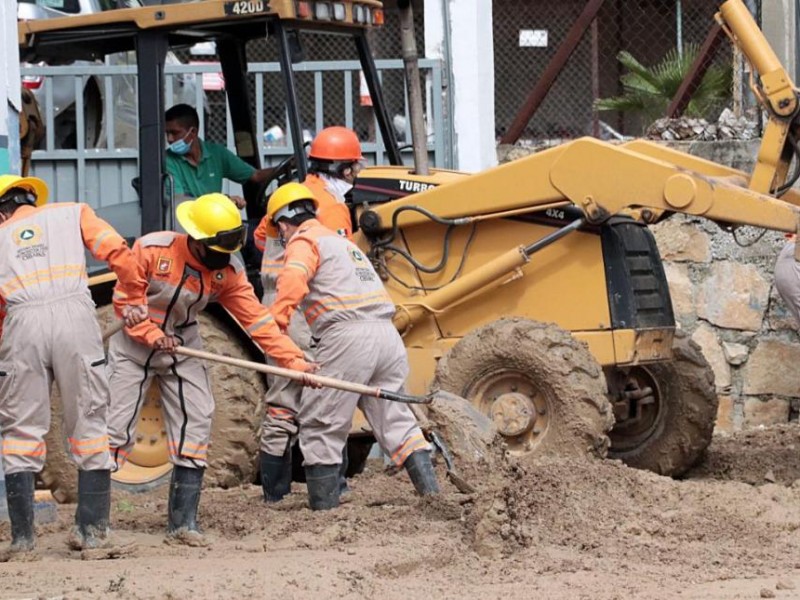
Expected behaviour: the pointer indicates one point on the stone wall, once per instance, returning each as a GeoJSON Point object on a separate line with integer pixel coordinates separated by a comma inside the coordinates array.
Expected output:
{"type": "Point", "coordinates": [723, 295]}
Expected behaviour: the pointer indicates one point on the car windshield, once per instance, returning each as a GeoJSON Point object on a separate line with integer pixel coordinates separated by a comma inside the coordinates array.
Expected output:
{"type": "Point", "coordinates": [67, 6]}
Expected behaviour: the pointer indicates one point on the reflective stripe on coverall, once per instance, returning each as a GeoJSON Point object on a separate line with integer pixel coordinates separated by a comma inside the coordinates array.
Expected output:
{"type": "Point", "coordinates": [179, 288]}
{"type": "Point", "coordinates": [282, 401]}
{"type": "Point", "coordinates": [50, 332]}
{"type": "Point", "coordinates": [787, 280]}
{"type": "Point", "coordinates": [350, 313]}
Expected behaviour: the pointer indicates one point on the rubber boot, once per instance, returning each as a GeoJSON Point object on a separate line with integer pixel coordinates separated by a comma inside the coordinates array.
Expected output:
{"type": "Point", "coordinates": [184, 498]}
{"type": "Point", "coordinates": [344, 489]}
{"type": "Point", "coordinates": [420, 470]}
{"type": "Point", "coordinates": [276, 475]}
{"type": "Point", "coordinates": [19, 493]}
{"type": "Point", "coordinates": [94, 505]}
{"type": "Point", "coordinates": [323, 486]}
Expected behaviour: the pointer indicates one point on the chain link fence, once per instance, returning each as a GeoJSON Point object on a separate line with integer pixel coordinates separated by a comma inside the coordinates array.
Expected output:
{"type": "Point", "coordinates": [630, 61]}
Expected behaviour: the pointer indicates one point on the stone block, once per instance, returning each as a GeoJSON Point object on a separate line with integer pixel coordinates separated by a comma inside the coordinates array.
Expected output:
{"type": "Point", "coordinates": [705, 337]}
{"type": "Point", "coordinates": [735, 354]}
{"type": "Point", "coordinates": [682, 241]}
{"type": "Point", "coordinates": [765, 412]}
{"type": "Point", "coordinates": [733, 296]}
{"type": "Point", "coordinates": [725, 417]}
{"type": "Point", "coordinates": [772, 369]}
{"type": "Point", "coordinates": [681, 291]}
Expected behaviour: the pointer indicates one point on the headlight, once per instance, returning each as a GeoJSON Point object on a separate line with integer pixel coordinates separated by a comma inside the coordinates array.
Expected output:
{"type": "Point", "coordinates": [338, 11]}
{"type": "Point", "coordinates": [322, 11]}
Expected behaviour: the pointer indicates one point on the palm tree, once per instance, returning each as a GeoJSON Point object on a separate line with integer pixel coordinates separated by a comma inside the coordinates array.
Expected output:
{"type": "Point", "coordinates": [649, 90]}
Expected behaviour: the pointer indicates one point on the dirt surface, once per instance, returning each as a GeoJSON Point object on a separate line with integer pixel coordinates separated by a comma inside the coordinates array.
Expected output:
{"type": "Point", "coordinates": [577, 528]}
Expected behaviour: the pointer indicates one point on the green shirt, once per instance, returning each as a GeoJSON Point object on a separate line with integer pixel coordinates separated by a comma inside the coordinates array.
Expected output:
{"type": "Point", "coordinates": [216, 163]}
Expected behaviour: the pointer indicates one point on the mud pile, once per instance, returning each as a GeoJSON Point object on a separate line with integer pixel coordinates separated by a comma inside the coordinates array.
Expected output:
{"type": "Point", "coordinates": [608, 510]}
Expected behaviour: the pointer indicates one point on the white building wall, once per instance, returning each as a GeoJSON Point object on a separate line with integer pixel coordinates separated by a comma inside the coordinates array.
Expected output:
{"type": "Point", "coordinates": [464, 29]}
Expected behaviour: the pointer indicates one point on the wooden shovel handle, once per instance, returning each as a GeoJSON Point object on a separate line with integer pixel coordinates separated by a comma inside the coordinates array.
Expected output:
{"type": "Point", "coordinates": [330, 382]}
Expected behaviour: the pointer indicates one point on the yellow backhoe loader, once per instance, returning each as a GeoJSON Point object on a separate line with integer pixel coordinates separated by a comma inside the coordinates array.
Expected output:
{"type": "Point", "coordinates": [534, 290]}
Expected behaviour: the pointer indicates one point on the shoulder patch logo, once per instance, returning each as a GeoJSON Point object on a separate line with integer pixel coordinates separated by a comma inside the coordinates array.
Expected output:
{"type": "Point", "coordinates": [356, 256]}
{"type": "Point", "coordinates": [163, 265]}
{"type": "Point", "coordinates": [27, 235]}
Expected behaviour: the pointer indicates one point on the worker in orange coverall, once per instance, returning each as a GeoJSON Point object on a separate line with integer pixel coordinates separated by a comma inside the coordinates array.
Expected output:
{"type": "Point", "coordinates": [335, 161]}
{"type": "Point", "coordinates": [350, 314]}
{"type": "Point", "coordinates": [185, 273]}
{"type": "Point", "coordinates": [49, 332]}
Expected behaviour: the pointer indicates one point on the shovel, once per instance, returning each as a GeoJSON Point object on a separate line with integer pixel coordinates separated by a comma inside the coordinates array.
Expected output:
{"type": "Point", "coordinates": [433, 436]}
{"type": "Point", "coordinates": [321, 380]}
{"type": "Point", "coordinates": [299, 376]}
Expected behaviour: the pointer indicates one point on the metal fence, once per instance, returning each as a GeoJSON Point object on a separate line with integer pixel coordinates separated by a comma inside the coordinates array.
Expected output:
{"type": "Point", "coordinates": [100, 170]}
{"type": "Point", "coordinates": [660, 35]}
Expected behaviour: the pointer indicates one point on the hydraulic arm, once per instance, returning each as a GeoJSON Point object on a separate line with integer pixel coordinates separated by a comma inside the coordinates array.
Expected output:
{"type": "Point", "coordinates": [642, 179]}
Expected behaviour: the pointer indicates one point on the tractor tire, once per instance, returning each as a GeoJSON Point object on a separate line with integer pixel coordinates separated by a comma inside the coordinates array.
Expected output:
{"type": "Point", "coordinates": [541, 387]}
{"type": "Point", "coordinates": [239, 396]}
{"type": "Point", "coordinates": [682, 420]}
{"type": "Point", "coordinates": [59, 475]}
{"type": "Point", "coordinates": [234, 436]}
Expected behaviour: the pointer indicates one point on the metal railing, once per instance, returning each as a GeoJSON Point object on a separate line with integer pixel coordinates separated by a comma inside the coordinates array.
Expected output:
{"type": "Point", "coordinates": [101, 159]}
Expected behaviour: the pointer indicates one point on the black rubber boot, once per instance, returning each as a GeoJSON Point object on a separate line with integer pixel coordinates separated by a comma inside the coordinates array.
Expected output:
{"type": "Point", "coordinates": [94, 505]}
{"type": "Point", "coordinates": [276, 475]}
{"type": "Point", "coordinates": [184, 498]}
{"type": "Point", "coordinates": [420, 470]}
{"type": "Point", "coordinates": [343, 487]}
{"type": "Point", "coordinates": [19, 493]}
{"type": "Point", "coordinates": [323, 486]}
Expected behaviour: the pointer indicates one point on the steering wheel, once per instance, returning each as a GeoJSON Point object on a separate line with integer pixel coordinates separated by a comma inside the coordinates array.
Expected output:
{"type": "Point", "coordinates": [282, 172]}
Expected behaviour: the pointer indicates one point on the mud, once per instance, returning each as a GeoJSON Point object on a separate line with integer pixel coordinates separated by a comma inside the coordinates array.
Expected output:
{"type": "Point", "coordinates": [571, 528]}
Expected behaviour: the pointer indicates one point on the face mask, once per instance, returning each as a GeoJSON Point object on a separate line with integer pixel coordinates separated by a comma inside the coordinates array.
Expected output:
{"type": "Point", "coordinates": [214, 260]}
{"type": "Point", "coordinates": [338, 187]}
{"type": "Point", "coordinates": [181, 146]}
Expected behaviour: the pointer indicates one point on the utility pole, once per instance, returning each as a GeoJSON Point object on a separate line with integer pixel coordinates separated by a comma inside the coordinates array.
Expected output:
{"type": "Point", "coordinates": [410, 61]}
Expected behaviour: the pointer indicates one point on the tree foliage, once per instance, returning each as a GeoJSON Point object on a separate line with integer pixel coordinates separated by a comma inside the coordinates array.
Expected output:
{"type": "Point", "coordinates": [647, 91]}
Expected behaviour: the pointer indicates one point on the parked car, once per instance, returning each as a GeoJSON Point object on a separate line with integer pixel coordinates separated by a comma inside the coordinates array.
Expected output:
{"type": "Point", "coordinates": [94, 105]}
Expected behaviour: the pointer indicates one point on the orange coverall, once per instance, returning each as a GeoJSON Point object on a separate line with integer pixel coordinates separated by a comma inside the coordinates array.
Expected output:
{"type": "Point", "coordinates": [49, 331]}
{"type": "Point", "coordinates": [283, 397]}
{"type": "Point", "coordinates": [350, 314]}
{"type": "Point", "coordinates": [179, 288]}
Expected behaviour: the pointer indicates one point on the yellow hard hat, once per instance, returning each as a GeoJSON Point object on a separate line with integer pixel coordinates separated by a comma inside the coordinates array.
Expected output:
{"type": "Point", "coordinates": [34, 185]}
{"type": "Point", "coordinates": [214, 220]}
{"type": "Point", "coordinates": [278, 205]}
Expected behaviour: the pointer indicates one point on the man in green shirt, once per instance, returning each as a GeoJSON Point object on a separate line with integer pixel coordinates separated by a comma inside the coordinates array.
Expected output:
{"type": "Point", "coordinates": [198, 167]}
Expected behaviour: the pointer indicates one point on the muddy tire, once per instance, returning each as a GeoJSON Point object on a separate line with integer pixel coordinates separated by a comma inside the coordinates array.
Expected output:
{"type": "Point", "coordinates": [238, 394]}
{"type": "Point", "coordinates": [541, 387]}
{"type": "Point", "coordinates": [685, 411]}
{"type": "Point", "coordinates": [59, 475]}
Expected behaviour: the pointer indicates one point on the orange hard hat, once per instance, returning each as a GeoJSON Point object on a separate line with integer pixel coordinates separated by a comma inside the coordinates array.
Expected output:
{"type": "Point", "coordinates": [336, 143]}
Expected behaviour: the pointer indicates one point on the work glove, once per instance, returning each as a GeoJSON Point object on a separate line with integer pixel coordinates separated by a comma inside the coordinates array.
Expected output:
{"type": "Point", "coordinates": [134, 314]}
{"type": "Point", "coordinates": [307, 368]}
{"type": "Point", "coordinates": [166, 343]}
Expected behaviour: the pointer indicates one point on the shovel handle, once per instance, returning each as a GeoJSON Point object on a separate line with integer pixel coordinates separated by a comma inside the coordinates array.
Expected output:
{"type": "Point", "coordinates": [116, 326]}
{"type": "Point", "coordinates": [330, 382]}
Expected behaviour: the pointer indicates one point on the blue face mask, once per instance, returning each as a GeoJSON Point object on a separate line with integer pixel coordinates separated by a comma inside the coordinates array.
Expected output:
{"type": "Point", "coordinates": [181, 146]}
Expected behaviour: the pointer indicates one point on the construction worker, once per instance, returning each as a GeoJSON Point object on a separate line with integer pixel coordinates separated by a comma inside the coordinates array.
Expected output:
{"type": "Point", "coordinates": [787, 278]}
{"type": "Point", "coordinates": [350, 317]}
{"type": "Point", "coordinates": [49, 332]}
{"type": "Point", "coordinates": [335, 161]}
{"type": "Point", "coordinates": [198, 167]}
{"type": "Point", "coordinates": [185, 273]}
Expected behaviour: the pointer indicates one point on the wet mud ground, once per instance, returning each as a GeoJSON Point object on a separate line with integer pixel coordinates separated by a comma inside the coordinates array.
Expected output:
{"type": "Point", "coordinates": [570, 528]}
